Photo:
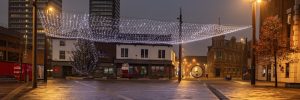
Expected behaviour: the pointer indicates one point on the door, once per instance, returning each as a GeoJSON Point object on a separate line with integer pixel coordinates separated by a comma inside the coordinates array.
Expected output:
{"type": "Point", "coordinates": [67, 71]}
{"type": "Point", "coordinates": [218, 72]}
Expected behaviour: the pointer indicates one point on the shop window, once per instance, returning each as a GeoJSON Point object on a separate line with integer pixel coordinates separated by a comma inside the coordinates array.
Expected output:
{"type": "Point", "coordinates": [2, 55]}
{"type": "Point", "coordinates": [157, 69]}
{"type": "Point", "coordinates": [264, 70]}
{"type": "Point", "coordinates": [124, 52]}
{"type": "Point", "coordinates": [144, 53]}
{"type": "Point", "coordinates": [62, 43]}
{"type": "Point", "coordinates": [108, 70]}
{"type": "Point", "coordinates": [62, 55]}
{"type": "Point", "coordinates": [143, 70]}
{"type": "Point", "coordinates": [287, 70]}
{"type": "Point", "coordinates": [161, 54]}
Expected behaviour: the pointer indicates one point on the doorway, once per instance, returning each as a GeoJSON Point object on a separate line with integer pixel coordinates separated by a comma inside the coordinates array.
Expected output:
{"type": "Point", "coordinates": [218, 72]}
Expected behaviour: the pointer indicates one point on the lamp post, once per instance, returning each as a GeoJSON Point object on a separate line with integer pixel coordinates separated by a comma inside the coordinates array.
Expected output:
{"type": "Point", "coordinates": [34, 36]}
{"type": "Point", "coordinates": [253, 67]}
{"type": "Point", "coordinates": [180, 46]}
{"type": "Point", "coordinates": [48, 10]}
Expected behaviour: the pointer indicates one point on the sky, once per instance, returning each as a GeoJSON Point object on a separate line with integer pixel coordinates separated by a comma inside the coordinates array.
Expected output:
{"type": "Point", "coordinates": [231, 12]}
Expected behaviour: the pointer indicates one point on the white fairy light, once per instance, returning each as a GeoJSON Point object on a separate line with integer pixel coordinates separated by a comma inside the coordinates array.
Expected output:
{"type": "Point", "coordinates": [128, 30]}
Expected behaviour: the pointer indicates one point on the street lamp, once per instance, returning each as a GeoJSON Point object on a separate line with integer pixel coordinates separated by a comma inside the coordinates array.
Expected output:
{"type": "Point", "coordinates": [253, 67]}
{"type": "Point", "coordinates": [34, 36]}
{"type": "Point", "coordinates": [180, 45]}
{"type": "Point", "coordinates": [49, 10]}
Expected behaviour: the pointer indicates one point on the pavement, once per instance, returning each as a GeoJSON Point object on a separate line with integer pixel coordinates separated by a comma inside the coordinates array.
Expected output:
{"type": "Point", "coordinates": [234, 90]}
{"type": "Point", "coordinates": [203, 89]}
{"type": "Point", "coordinates": [7, 87]}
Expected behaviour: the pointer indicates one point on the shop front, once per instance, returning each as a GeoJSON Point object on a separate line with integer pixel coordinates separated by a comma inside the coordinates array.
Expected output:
{"type": "Point", "coordinates": [144, 69]}
{"type": "Point", "coordinates": [61, 69]}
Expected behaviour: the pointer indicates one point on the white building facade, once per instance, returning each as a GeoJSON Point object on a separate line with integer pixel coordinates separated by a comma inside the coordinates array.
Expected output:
{"type": "Point", "coordinates": [62, 56]}
{"type": "Point", "coordinates": [144, 61]}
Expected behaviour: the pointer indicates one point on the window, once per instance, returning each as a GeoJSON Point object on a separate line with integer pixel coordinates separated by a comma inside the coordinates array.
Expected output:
{"type": "Point", "coordinates": [124, 52]}
{"type": "Point", "coordinates": [62, 55]}
{"type": "Point", "coordinates": [13, 56]}
{"type": "Point", "coordinates": [108, 70]}
{"type": "Point", "coordinates": [161, 54]}
{"type": "Point", "coordinates": [2, 55]}
{"type": "Point", "coordinates": [144, 53]}
{"type": "Point", "coordinates": [219, 55]}
{"type": "Point", "coordinates": [2, 43]}
{"type": "Point", "coordinates": [287, 70]}
{"type": "Point", "coordinates": [157, 69]}
{"type": "Point", "coordinates": [264, 71]}
{"type": "Point", "coordinates": [62, 43]}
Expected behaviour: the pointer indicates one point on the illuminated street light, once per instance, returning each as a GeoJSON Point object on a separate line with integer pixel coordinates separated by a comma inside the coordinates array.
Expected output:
{"type": "Point", "coordinates": [50, 9]}
{"type": "Point", "coordinates": [194, 60]}
{"type": "Point", "coordinates": [258, 1]}
{"type": "Point", "coordinates": [253, 67]}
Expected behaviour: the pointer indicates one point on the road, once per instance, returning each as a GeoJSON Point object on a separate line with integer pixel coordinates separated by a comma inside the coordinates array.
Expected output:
{"type": "Point", "coordinates": [119, 90]}
{"type": "Point", "coordinates": [153, 90]}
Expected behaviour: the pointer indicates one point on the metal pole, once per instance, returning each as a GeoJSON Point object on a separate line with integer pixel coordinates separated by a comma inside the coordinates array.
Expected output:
{"type": "Point", "coordinates": [34, 36]}
{"type": "Point", "coordinates": [253, 43]}
{"type": "Point", "coordinates": [180, 46]}
{"type": "Point", "coordinates": [45, 60]}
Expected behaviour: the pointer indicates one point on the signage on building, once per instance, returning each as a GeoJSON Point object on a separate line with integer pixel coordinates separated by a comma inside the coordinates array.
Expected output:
{"type": "Point", "coordinates": [125, 66]}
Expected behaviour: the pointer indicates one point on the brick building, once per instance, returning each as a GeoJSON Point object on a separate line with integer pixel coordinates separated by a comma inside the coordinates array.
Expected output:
{"type": "Point", "coordinates": [226, 57]}
{"type": "Point", "coordinates": [288, 12]}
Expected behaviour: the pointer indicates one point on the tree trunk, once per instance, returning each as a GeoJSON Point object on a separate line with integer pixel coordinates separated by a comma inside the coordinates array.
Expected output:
{"type": "Point", "coordinates": [275, 62]}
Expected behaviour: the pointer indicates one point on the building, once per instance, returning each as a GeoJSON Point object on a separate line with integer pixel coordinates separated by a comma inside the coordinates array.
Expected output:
{"type": "Point", "coordinates": [62, 57]}
{"type": "Point", "coordinates": [20, 19]}
{"type": "Point", "coordinates": [10, 45]}
{"type": "Point", "coordinates": [287, 70]}
{"type": "Point", "coordinates": [110, 11]}
{"type": "Point", "coordinates": [144, 61]}
{"type": "Point", "coordinates": [191, 61]}
{"type": "Point", "coordinates": [11, 53]}
{"type": "Point", "coordinates": [226, 57]}
{"type": "Point", "coordinates": [107, 9]}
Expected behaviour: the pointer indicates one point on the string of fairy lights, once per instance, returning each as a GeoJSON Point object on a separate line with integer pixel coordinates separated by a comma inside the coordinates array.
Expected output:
{"type": "Point", "coordinates": [128, 30]}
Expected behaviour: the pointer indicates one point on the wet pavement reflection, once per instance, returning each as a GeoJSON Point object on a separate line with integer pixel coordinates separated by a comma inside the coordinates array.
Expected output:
{"type": "Point", "coordinates": [118, 90]}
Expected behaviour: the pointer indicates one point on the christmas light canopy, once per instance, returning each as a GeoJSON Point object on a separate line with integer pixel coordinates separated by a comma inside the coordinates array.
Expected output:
{"type": "Point", "coordinates": [128, 30]}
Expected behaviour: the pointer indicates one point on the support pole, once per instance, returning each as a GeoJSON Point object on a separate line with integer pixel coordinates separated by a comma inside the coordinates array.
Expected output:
{"type": "Point", "coordinates": [34, 36]}
{"type": "Point", "coordinates": [45, 59]}
{"type": "Point", "coordinates": [180, 46]}
{"type": "Point", "coordinates": [253, 69]}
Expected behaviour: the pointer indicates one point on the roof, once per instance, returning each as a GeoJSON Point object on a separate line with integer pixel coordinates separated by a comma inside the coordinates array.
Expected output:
{"type": "Point", "coordinates": [9, 32]}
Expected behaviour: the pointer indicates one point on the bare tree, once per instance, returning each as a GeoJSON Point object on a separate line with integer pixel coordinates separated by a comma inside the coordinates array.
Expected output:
{"type": "Point", "coordinates": [85, 57]}
{"type": "Point", "coordinates": [272, 45]}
